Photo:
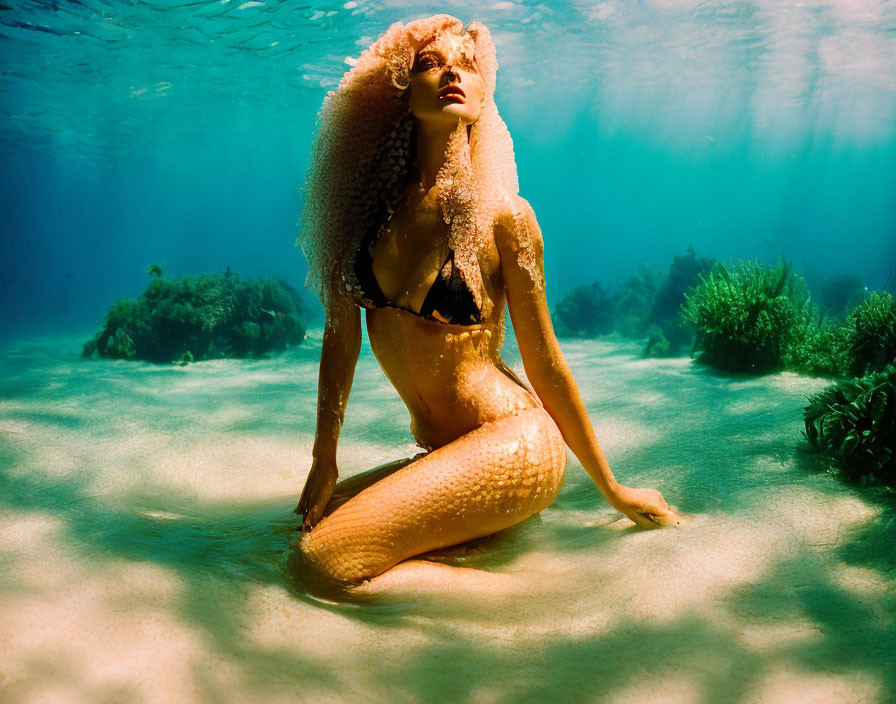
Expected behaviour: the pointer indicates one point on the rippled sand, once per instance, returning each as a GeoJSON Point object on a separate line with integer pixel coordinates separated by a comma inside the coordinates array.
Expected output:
{"type": "Point", "coordinates": [145, 517]}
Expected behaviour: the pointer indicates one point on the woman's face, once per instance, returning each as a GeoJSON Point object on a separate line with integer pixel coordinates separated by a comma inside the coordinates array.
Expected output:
{"type": "Point", "coordinates": [445, 83]}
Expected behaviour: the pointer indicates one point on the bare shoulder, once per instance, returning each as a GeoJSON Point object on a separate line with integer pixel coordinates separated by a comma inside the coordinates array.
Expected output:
{"type": "Point", "coordinates": [515, 225]}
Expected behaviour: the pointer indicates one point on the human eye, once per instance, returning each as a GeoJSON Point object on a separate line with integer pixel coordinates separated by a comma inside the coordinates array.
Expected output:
{"type": "Point", "coordinates": [427, 62]}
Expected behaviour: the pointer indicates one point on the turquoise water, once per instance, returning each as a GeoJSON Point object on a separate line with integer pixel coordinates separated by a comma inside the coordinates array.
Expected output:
{"type": "Point", "coordinates": [178, 134]}
{"type": "Point", "coordinates": [145, 511]}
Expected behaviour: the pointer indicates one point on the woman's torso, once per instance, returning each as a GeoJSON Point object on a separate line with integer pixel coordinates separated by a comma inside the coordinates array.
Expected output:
{"type": "Point", "coordinates": [449, 375]}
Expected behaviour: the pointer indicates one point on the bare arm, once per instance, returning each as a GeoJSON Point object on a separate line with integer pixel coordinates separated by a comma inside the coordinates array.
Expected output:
{"type": "Point", "coordinates": [338, 358]}
{"type": "Point", "coordinates": [549, 373]}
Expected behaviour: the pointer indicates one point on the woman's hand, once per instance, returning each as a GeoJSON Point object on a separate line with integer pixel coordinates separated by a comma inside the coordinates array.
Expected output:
{"type": "Point", "coordinates": [646, 507]}
{"type": "Point", "coordinates": [317, 492]}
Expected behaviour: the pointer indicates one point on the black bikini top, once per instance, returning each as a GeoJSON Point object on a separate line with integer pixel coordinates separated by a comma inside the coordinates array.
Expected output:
{"type": "Point", "coordinates": [449, 295]}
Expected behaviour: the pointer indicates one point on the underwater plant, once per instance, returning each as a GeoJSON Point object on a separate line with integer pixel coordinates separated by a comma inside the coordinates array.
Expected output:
{"type": "Point", "coordinates": [585, 311]}
{"type": "Point", "coordinates": [684, 273]}
{"type": "Point", "coordinates": [744, 316]}
{"type": "Point", "coordinates": [647, 304]}
{"type": "Point", "coordinates": [820, 345]}
{"type": "Point", "coordinates": [154, 270]}
{"type": "Point", "coordinates": [854, 424]}
{"type": "Point", "coordinates": [829, 346]}
{"type": "Point", "coordinates": [205, 316]}
{"type": "Point", "coordinates": [752, 318]}
{"type": "Point", "coordinates": [872, 333]}
{"type": "Point", "coordinates": [634, 301]}
{"type": "Point", "coordinates": [657, 344]}
{"type": "Point", "coordinates": [747, 317]}
{"type": "Point", "coordinates": [301, 307]}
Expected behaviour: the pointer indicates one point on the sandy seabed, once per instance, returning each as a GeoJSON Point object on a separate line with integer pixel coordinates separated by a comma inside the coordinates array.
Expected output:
{"type": "Point", "coordinates": [145, 518]}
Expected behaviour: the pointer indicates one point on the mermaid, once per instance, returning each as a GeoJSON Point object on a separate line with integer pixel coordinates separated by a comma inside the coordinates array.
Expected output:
{"type": "Point", "coordinates": [412, 213]}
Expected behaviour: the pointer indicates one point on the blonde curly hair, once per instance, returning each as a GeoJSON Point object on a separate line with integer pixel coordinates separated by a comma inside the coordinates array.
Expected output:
{"type": "Point", "coordinates": [362, 159]}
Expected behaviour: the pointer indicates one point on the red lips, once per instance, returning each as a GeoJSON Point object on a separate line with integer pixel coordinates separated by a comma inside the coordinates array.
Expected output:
{"type": "Point", "coordinates": [451, 90]}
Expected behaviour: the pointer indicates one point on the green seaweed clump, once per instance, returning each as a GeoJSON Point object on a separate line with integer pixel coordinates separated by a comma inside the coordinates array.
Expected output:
{"type": "Point", "coordinates": [155, 270]}
{"type": "Point", "coordinates": [205, 316]}
{"type": "Point", "coordinates": [745, 316]}
{"type": "Point", "coordinates": [854, 424]}
{"type": "Point", "coordinates": [865, 342]}
{"type": "Point", "coordinates": [820, 346]}
{"type": "Point", "coordinates": [657, 344]}
{"type": "Point", "coordinates": [585, 311]}
{"type": "Point", "coordinates": [872, 333]}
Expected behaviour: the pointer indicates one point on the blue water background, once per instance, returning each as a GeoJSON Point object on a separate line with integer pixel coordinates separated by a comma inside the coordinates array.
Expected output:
{"type": "Point", "coordinates": [178, 134]}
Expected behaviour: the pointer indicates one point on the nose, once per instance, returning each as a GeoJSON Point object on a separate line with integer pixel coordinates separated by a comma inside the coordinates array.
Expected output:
{"type": "Point", "coordinates": [450, 75]}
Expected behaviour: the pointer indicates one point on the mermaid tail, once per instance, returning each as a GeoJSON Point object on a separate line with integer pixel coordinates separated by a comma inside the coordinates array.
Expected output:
{"type": "Point", "coordinates": [484, 481]}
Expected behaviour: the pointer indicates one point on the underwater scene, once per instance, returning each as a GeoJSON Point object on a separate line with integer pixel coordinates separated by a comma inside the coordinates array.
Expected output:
{"type": "Point", "coordinates": [715, 187]}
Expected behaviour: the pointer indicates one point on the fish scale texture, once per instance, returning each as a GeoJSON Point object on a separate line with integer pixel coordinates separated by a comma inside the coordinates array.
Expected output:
{"type": "Point", "coordinates": [486, 480]}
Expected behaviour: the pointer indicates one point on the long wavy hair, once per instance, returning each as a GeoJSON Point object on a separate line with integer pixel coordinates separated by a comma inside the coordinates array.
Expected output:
{"type": "Point", "coordinates": [363, 157]}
